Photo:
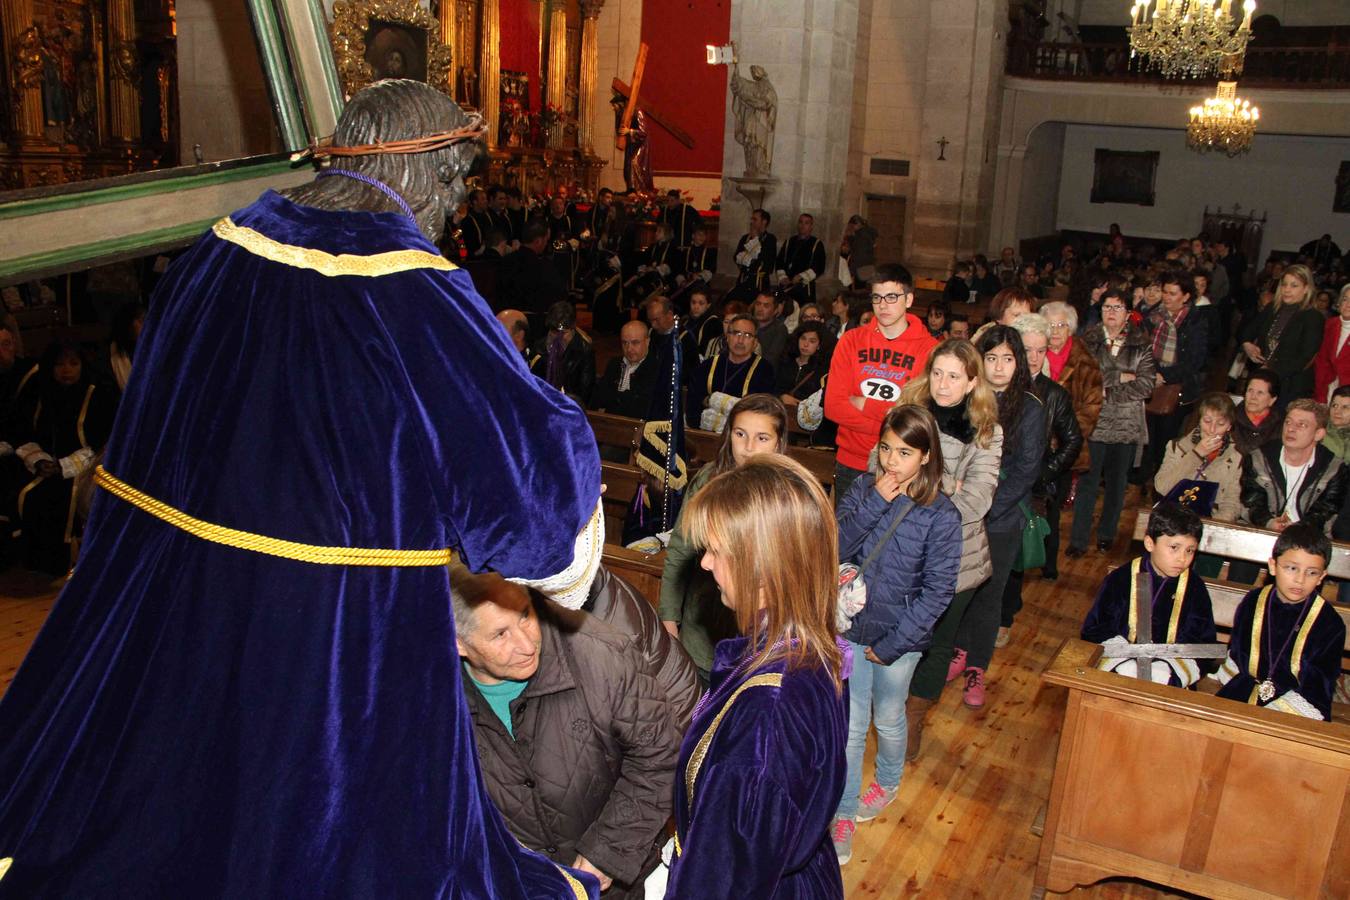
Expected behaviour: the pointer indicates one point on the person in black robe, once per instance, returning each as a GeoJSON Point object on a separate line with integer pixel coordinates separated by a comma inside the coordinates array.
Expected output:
{"type": "Point", "coordinates": [1181, 611]}
{"type": "Point", "coordinates": [661, 265]}
{"type": "Point", "coordinates": [598, 221]}
{"type": "Point", "coordinates": [683, 219]}
{"type": "Point", "coordinates": [700, 259]}
{"type": "Point", "coordinates": [702, 328]}
{"type": "Point", "coordinates": [476, 224]}
{"type": "Point", "coordinates": [528, 281]}
{"type": "Point", "coordinates": [499, 206]}
{"type": "Point", "coordinates": [802, 259]}
{"type": "Point", "coordinates": [756, 256]}
{"type": "Point", "coordinates": [564, 357]}
{"type": "Point", "coordinates": [65, 419]}
{"type": "Point", "coordinates": [1285, 650]}
{"type": "Point", "coordinates": [737, 374]}
{"type": "Point", "coordinates": [15, 374]}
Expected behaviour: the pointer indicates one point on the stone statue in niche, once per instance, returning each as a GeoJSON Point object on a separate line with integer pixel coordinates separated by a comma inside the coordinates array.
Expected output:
{"type": "Point", "coordinates": [755, 107]}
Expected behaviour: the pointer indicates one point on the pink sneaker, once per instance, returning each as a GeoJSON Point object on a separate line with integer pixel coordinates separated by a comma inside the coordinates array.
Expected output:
{"type": "Point", "coordinates": [874, 800]}
{"type": "Point", "coordinates": [842, 837]}
{"type": "Point", "coordinates": [974, 693]}
{"type": "Point", "coordinates": [958, 665]}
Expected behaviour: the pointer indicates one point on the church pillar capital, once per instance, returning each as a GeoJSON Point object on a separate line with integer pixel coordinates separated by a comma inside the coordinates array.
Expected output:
{"type": "Point", "coordinates": [590, 9]}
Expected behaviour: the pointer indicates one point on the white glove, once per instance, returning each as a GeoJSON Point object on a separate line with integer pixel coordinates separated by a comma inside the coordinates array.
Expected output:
{"type": "Point", "coordinates": [780, 275]}
{"type": "Point", "coordinates": [615, 264]}
{"type": "Point", "coordinates": [705, 275]}
{"type": "Point", "coordinates": [573, 243]}
{"type": "Point", "coordinates": [664, 270]}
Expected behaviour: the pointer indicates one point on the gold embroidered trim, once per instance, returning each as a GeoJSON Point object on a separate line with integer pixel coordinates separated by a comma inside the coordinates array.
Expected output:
{"type": "Point", "coordinates": [1258, 623]}
{"type": "Point", "coordinates": [84, 414]}
{"type": "Point", "coordinates": [595, 550]}
{"type": "Point", "coordinates": [258, 543]}
{"type": "Point", "coordinates": [574, 883]}
{"type": "Point", "coordinates": [1178, 597]}
{"type": "Point", "coordinates": [1296, 658]}
{"type": "Point", "coordinates": [768, 679]}
{"type": "Point", "coordinates": [328, 264]}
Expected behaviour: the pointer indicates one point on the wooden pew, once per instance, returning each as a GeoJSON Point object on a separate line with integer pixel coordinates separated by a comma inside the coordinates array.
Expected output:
{"type": "Point", "coordinates": [641, 570]}
{"type": "Point", "coordinates": [700, 446]}
{"type": "Point", "coordinates": [1194, 792]}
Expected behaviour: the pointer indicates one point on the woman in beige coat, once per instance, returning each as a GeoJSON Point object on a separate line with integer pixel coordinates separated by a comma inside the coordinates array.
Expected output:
{"type": "Point", "coordinates": [954, 388]}
{"type": "Point", "coordinates": [1205, 451]}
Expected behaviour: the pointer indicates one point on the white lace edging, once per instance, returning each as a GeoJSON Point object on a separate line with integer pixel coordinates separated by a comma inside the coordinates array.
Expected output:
{"type": "Point", "coordinates": [572, 585]}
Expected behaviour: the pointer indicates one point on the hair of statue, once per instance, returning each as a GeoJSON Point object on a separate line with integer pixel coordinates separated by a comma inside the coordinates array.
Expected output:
{"type": "Point", "coordinates": [382, 121]}
{"type": "Point", "coordinates": [771, 521]}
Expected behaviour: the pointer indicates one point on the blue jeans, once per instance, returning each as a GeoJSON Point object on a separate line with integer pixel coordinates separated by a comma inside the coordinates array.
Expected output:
{"type": "Point", "coordinates": [876, 693]}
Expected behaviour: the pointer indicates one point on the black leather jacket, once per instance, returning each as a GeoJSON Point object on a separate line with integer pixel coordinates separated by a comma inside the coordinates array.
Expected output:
{"type": "Point", "coordinates": [1064, 439]}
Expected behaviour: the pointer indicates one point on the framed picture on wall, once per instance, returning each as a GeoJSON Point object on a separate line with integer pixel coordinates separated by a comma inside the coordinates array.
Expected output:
{"type": "Point", "coordinates": [1341, 202]}
{"type": "Point", "coordinates": [1124, 176]}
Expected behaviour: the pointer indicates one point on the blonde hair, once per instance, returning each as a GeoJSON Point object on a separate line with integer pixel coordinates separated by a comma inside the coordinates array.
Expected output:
{"type": "Point", "coordinates": [771, 520]}
{"type": "Point", "coordinates": [982, 408]}
{"type": "Point", "coordinates": [1303, 274]}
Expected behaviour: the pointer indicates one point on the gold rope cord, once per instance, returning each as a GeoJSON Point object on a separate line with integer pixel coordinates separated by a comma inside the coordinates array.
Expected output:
{"type": "Point", "coordinates": [258, 543]}
{"type": "Point", "coordinates": [328, 264]}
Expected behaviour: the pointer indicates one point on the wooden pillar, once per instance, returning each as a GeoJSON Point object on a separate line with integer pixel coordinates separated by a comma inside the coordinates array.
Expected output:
{"type": "Point", "coordinates": [590, 65]}
{"type": "Point", "coordinates": [124, 108]}
{"type": "Point", "coordinates": [490, 68]}
{"type": "Point", "coordinates": [449, 16]}
{"type": "Point", "coordinates": [557, 66]}
{"type": "Point", "coordinates": [21, 38]}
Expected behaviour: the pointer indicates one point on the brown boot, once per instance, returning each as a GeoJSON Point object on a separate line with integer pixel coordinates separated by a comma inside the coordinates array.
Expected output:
{"type": "Point", "coordinates": [916, 710]}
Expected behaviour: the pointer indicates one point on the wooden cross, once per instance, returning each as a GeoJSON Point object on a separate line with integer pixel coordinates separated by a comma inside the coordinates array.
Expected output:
{"type": "Point", "coordinates": [1144, 654]}
{"type": "Point", "coordinates": [942, 147]}
{"type": "Point", "coordinates": [635, 103]}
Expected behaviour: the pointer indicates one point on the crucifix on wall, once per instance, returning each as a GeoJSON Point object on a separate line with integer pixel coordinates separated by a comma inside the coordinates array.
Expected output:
{"type": "Point", "coordinates": [942, 148]}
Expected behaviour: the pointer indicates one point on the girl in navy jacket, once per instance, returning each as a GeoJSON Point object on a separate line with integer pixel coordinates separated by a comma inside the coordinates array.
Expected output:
{"type": "Point", "coordinates": [910, 583]}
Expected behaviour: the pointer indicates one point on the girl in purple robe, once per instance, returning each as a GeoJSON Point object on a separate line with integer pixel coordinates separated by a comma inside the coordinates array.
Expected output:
{"type": "Point", "coordinates": [762, 765]}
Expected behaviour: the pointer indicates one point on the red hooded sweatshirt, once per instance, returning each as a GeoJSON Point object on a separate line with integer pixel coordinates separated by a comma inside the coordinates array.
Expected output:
{"type": "Point", "coordinates": [867, 365]}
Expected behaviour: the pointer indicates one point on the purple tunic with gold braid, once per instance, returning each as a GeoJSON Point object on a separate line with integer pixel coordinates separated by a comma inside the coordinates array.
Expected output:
{"type": "Point", "coordinates": [203, 719]}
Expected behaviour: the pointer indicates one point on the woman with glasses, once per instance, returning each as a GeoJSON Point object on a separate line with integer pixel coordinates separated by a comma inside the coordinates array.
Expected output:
{"type": "Point", "coordinates": [1124, 352]}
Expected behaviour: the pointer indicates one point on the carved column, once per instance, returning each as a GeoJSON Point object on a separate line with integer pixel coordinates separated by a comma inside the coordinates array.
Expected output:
{"type": "Point", "coordinates": [590, 65]}
{"type": "Point", "coordinates": [557, 66]}
{"type": "Point", "coordinates": [449, 18]}
{"type": "Point", "coordinates": [22, 62]}
{"type": "Point", "coordinates": [124, 117]}
{"type": "Point", "coordinates": [490, 68]}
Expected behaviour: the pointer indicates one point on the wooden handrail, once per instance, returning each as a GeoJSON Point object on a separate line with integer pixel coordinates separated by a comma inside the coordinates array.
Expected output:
{"type": "Point", "coordinates": [1309, 67]}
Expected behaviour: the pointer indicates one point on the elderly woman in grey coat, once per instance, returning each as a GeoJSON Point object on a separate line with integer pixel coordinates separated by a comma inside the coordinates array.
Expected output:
{"type": "Point", "coordinates": [954, 388]}
{"type": "Point", "coordinates": [1125, 354]}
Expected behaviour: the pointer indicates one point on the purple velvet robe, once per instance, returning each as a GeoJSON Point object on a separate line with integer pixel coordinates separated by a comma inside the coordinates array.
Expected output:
{"type": "Point", "coordinates": [766, 792]}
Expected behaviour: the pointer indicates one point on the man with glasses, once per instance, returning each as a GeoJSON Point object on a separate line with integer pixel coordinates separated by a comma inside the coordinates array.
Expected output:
{"type": "Point", "coordinates": [871, 365]}
{"type": "Point", "coordinates": [737, 373]}
{"type": "Point", "coordinates": [1295, 479]}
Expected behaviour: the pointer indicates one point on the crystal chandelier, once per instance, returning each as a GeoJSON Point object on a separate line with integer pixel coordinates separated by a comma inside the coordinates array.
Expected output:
{"type": "Point", "coordinates": [1224, 122]}
{"type": "Point", "coordinates": [1191, 38]}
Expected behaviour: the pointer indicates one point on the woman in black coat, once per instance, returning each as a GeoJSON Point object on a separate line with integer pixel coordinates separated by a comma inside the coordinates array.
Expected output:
{"type": "Point", "coordinates": [1286, 335]}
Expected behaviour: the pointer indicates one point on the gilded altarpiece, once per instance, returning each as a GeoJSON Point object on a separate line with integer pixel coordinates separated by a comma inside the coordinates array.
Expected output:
{"type": "Point", "coordinates": [89, 89]}
{"type": "Point", "coordinates": [537, 145]}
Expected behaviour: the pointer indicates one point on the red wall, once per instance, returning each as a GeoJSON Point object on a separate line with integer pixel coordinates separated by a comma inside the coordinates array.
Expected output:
{"type": "Point", "coordinates": [680, 84]}
{"type": "Point", "coordinates": [520, 42]}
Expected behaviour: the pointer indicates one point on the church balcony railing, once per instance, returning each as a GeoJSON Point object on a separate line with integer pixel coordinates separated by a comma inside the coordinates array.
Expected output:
{"type": "Point", "coordinates": [1301, 67]}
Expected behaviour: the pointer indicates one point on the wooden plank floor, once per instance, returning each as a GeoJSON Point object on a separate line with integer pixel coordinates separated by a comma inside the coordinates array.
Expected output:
{"type": "Point", "coordinates": [961, 826]}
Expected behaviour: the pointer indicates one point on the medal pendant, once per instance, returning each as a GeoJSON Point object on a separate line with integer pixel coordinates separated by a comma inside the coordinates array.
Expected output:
{"type": "Point", "coordinates": [1265, 691]}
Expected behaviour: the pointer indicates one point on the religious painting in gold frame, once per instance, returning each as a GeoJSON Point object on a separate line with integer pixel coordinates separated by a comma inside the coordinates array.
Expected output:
{"type": "Point", "coordinates": [374, 39]}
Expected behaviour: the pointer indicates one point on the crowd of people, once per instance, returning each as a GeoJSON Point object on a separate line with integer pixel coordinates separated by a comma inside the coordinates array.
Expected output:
{"type": "Point", "coordinates": [952, 445]}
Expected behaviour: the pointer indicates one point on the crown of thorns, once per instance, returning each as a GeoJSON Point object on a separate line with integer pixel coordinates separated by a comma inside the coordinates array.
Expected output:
{"type": "Point", "coordinates": [324, 148]}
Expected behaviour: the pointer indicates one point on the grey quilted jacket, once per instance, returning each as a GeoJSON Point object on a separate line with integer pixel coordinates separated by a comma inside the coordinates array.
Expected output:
{"type": "Point", "coordinates": [1122, 419]}
{"type": "Point", "coordinates": [591, 768]}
